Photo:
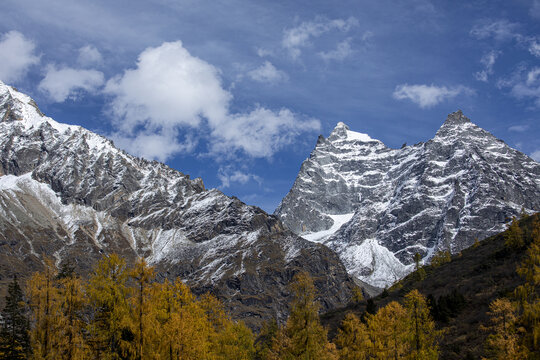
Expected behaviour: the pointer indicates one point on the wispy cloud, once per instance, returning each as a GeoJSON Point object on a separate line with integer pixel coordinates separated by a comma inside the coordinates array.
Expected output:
{"type": "Point", "coordinates": [534, 11]}
{"type": "Point", "coordinates": [524, 83]}
{"type": "Point", "coordinates": [536, 155]}
{"type": "Point", "coordinates": [17, 56]}
{"type": "Point", "coordinates": [63, 83]}
{"type": "Point", "coordinates": [171, 92]}
{"type": "Point", "coordinates": [89, 56]}
{"type": "Point", "coordinates": [227, 175]}
{"type": "Point", "coordinates": [342, 51]}
{"type": "Point", "coordinates": [262, 52]}
{"type": "Point", "coordinates": [534, 48]}
{"type": "Point", "coordinates": [519, 128]}
{"type": "Point", "coordinates": [427, 96]}
{"type": "Point", "coordinates": [298, 37]}
{"type": "Point", "coordinates": [500, 30]}
{"type": "Point", "coordinates": [488, 60]}
{"type": "Point", "coordinates": [267, 73]}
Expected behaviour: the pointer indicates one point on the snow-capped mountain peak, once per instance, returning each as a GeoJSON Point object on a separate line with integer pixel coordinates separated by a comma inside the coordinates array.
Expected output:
{"type": "Point", "coordinates": [377, 207]}
{"type": "Point", "coordinates": [68, 193]}
{"type": "Point", "coordinates": [342, 132]}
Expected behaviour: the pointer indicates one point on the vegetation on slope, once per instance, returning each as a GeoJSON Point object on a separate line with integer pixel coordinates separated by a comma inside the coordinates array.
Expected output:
{"type": "Point", "coordinates": [461, 291]}
{"type": "Point", "coordinates": [483, 302]}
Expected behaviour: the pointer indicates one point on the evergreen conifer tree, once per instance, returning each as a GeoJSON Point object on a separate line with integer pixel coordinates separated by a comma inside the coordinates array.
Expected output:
{"type": "Point", "coordinates": [14, 335]}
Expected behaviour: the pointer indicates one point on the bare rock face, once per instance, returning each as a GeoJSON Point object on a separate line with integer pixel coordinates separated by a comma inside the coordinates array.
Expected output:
{"type": "Point", "coordinates": [377, 207]}
{"type": "Point", "coordinates": [68, 193]}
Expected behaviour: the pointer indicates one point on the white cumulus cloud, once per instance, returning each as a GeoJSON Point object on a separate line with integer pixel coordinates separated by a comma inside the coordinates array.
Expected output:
{"type": "Point", "coordinates": [171, 92]}
{"type": "Point", "coordinates": [88, 56]}
{"type": "Point", "coordinates": [17, 56]}
{"type": "Point", "coordinates": [259, 133]}
{"type": "Point", "coordinates": [427, 96]}
{"type": "Point", "coordinates": [159, 146]}
{"type": "Point", "coordinates": [267, 73]}
{"type": "Point", "coordinates": [296, 38]}
{"type": "Point", "coordinates": [168, 88]}
{"type": "Point", "coordinates": [61, 84]}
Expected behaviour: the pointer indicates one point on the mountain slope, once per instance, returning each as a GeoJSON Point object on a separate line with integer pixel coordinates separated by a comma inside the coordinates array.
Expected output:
{"type": "Point", "coordinates": [480, 273]}
{"type": "Point", "coordinates": [69, 193]}
{"type": "Point", "coordinates": [377, 207]}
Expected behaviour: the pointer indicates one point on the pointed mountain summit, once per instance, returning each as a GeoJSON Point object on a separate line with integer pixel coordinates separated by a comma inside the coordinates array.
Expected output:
{"type": "Point", "coordinates": [69, 194]}
{"type": "Point", "coordinates": [342, 132]}
{"type": "Point", "coordinates": [456, 118]}
{"type": "Point", "coordinates": [377, 207]}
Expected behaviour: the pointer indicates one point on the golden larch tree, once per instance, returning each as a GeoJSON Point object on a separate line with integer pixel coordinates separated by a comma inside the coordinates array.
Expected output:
{"type": "Point", "coordinates": [503, 342]}
{"type": "Point", "coordinates": [353, 340]}
{"type": "Point", "coordinates": [389, 330]}
{"type": "Point", "coordinates": [308, 338]}
{"type": "Point", "coordinates": [46, 312]}
{"type": "Point", "coordinates": [110, 328]}
{"type": "Point", "coordinates": [423, 335]}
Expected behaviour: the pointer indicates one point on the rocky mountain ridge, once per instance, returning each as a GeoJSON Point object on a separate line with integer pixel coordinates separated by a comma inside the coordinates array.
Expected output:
{"type": "Point", "coordinates": [377, 207]}
{"type": "Point", "coordinates": [68, 193]}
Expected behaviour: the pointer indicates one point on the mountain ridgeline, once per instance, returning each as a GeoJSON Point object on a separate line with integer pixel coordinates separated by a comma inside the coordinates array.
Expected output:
{"type": "Point", "coordinates": [69, 194]}
{"type": "Point", "coordinates": [358, 210]}
{"type": "Point", "coordinates": [377, 207]}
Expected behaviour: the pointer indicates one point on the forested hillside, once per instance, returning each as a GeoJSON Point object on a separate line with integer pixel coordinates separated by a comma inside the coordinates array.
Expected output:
{"type": "Point", "coordinates": [461, 291]}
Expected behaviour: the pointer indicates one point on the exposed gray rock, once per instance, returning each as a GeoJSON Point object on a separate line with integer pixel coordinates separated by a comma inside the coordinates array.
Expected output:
{"type": "Point", "coordinates": [69, 193]}
{"type": "Point", "coordinates": [392, 203]}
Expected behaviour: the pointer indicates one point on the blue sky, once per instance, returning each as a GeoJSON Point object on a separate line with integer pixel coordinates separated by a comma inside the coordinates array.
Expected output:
{"type": "Point", "coordinates": [236, 92]}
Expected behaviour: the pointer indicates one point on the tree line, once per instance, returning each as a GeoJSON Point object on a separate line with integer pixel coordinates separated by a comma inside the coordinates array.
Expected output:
{"type": "Point", "coordinates": [514, 329]}
{"type": "Point", "coordinates": [122, 312]}
{"type": "Point", "coordinates": [395, 331]}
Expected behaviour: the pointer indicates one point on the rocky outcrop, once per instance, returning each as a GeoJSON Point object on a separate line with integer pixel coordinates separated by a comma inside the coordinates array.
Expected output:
{"type": "Point", "coordinates": [70, 194]}
{"type": "Point", "coordinates": [377, 206]}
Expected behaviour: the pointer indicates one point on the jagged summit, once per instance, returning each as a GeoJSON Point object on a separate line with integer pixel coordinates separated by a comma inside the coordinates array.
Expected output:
{"type": "Point", "coordinates": [69, 194]}
{"type": "Point", "coordinates": [457, 118]}
{"type": "Point", "coordinates": [377, 207]}
{"type": "Point", "coordinates": [457, 123]}
{"type": "Point", "coordinates": [342, 132]}
{"type": "Point", "coordinates": [341, 125]}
